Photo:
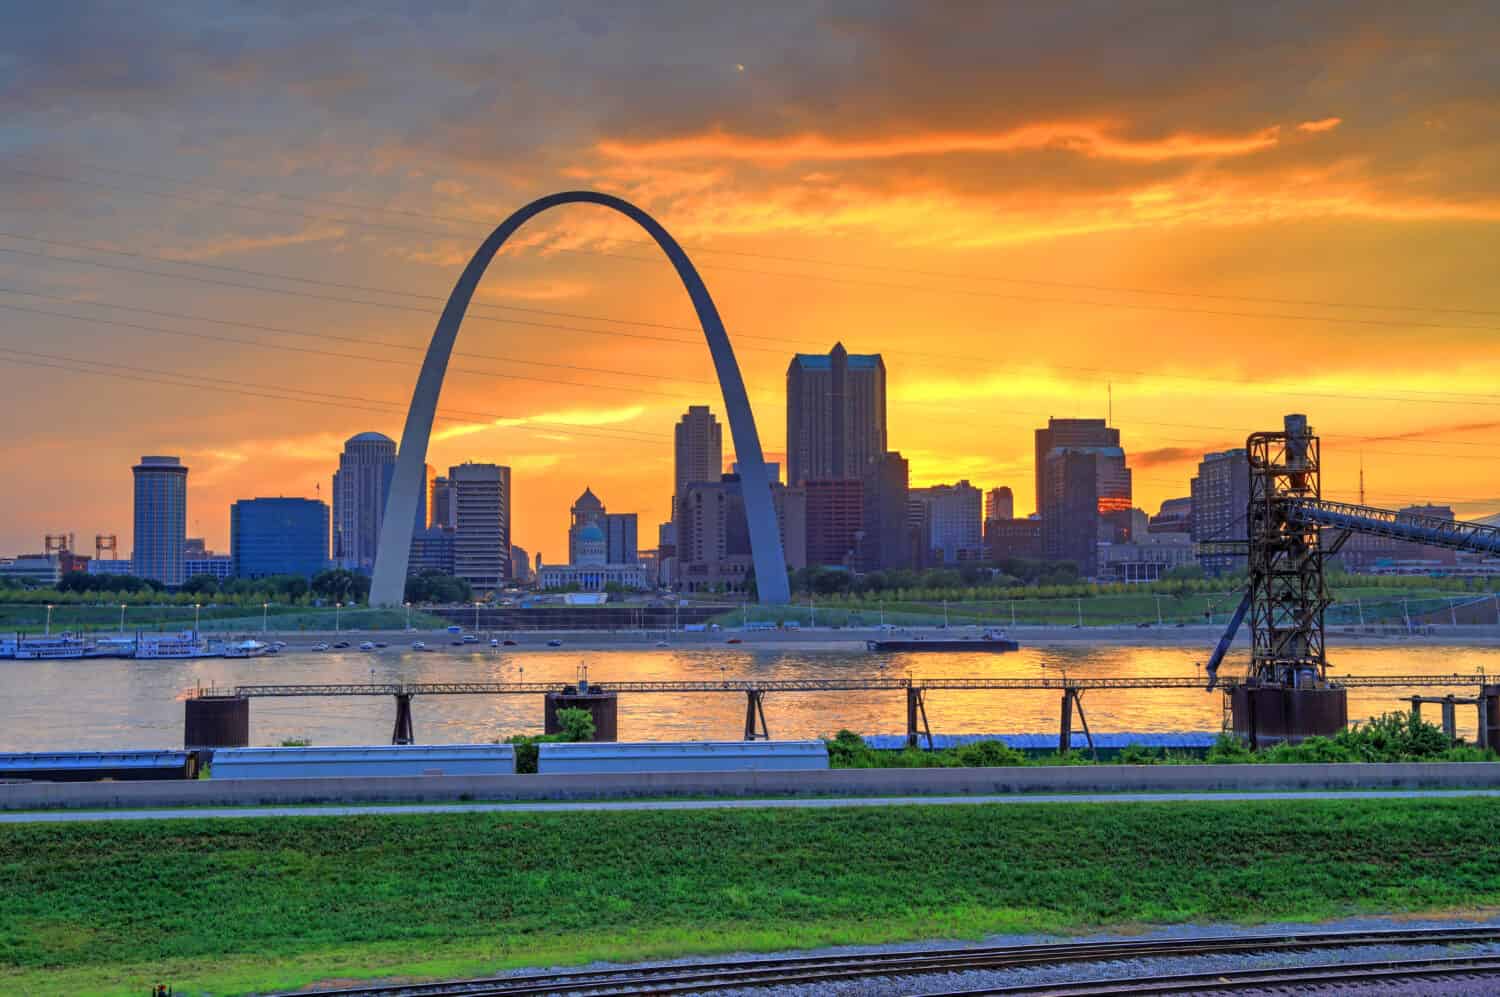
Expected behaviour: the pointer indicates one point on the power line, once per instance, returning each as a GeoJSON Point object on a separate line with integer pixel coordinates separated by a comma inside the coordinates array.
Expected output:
{"type": "Point", "coordinates": [283, 393]}
{"type": "Point", "coordinates": [967, 292]}
{"type": "Point", "coordinates": [698, 249]}
{"type": "Point", "coordinates": [1435, 397]}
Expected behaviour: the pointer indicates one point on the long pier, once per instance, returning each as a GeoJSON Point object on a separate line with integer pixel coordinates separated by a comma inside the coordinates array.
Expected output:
{"type": "Point", "coordinates": [755, 691]}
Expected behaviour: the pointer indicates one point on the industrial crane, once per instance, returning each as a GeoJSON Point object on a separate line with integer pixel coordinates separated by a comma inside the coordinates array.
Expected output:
{"type": "Point", "coordinates": [1287, 692]}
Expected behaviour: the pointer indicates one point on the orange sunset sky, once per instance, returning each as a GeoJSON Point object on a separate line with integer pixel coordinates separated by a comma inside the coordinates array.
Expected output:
{"type": "Point", "coordinates": [226, 233]}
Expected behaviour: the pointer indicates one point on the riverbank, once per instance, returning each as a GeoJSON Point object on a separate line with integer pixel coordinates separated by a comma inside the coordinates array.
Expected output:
{"type": "Point", "coordinates": [847, 639]}
{"type": "Point", "coordinates": [112, 908]}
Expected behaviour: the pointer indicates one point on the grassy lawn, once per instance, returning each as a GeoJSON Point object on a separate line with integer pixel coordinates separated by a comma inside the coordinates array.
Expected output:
{"type": "Point", "coordinates": [229, 906]}
{"type": "Point", "coordinates": [1371, 604]}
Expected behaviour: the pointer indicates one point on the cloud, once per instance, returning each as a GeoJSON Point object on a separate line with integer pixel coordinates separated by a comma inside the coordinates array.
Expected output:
{"type": "Point", "coordinates": [1084, 138]}
{"type": "Point", "coordinates": [1321, 125]}
{"type": "Point", "coordinates": [554, 420]}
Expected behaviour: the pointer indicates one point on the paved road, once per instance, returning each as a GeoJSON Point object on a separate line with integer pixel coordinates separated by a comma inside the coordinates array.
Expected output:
{"type": "Point", "coordinates": [70, 816]}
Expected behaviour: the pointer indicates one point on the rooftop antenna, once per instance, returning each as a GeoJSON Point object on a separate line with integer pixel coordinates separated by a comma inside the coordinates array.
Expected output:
{"type": "Point", "coordinates": [1361, 478]}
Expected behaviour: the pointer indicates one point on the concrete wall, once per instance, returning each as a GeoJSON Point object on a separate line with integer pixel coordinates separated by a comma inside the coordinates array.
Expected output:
{"type": "Point", "coordinates": [830, 782]}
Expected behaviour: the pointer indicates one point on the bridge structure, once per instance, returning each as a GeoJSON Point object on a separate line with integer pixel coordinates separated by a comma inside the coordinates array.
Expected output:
{"type": "Point", "coordinates": [591, 694]}
{"type": "Point", "coordinates": [388, 584]}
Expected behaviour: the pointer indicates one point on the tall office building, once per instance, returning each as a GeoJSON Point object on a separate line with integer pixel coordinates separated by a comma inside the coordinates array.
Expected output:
{"type": "Point", "coordinates": [953, 521]}
{"type": "Point", "coordinates": [481, 536]}
{"type": "Point", "coordinates": [886, 544]}
{"type": "Point", "coordinates": [587, 510]}
{"type": "Point", "coordinates": [520, 564]}
{"type": "Point", "coordinates": [1220, 502]}
{"type": "Point", "coordinates": [713, 534]}
{"type": "Point", "coordinates": [835, 521]}
{"type": "Point", "coordinates": [835, 415]}
{"type": "Point", "coordinates": [999, 503]}
{"type": "Point", "coordinates": [160, 519]}
{"type": "Point", "coordinates": [440, 502]}
{"type": "Point", "coordinates": [620, 532]}
{"type": "Point", "coordinates": [278, 536]}
{"type": "Point", "coordinates": [1087, 502]}
{"type": "Point", "coordinates": [359, 491]}
{"type": "Point", "coordinates": [1068, 433]}
{"type": "Point", "coordinates": [698, 451]}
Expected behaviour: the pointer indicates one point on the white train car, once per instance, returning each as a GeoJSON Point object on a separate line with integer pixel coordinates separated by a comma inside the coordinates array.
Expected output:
{"type": "Point", "coordinates": [364, 761]}
{"type": "Point", "coordinates": [681, 756]}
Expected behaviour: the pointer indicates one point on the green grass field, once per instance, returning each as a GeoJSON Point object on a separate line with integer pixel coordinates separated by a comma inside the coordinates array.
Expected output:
{"type": "Point", "coordinates": [229, 906]}
{"type": "Point", "coordinates": [1352, 604]}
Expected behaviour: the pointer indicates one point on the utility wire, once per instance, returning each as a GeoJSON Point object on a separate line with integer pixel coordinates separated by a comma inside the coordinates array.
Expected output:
{"type": "Point", "coordinates": [1446, 398]}
{"type": "Point", "coordinates": [781, 258]}
{"type": "Point", "coordinates": [966, 292]}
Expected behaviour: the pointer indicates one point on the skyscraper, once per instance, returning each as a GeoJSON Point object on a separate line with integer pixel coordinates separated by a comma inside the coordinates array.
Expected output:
{"type": "Point", "coordinates": [160, 519]}
{"type": "Point", "coordinates": [278, 536]}
{"type": "Point", "coordinates": [953, 520]}
{"type": "Point", "coordinates": [359, 492]}
{"type": "Point", "coordinates": [440, 502]}
{"type": "Point", "coordinates": [620, 532]}
{"type": "Point", "coordinates": [1220, 499]}
{"type": "Point", "coordinates": [999, 503]}
{"type": "Point", "coordinates": [713, 535]}
{"type": "Point", "coordinates": [886, 545]}
{"type": "Point", "coordinates": [481, 538]}
{"type": "Point", "coordinates": [698, 452]}
{"type": "Point", "coordinates": [835, 518]}
{"type": "Point", "coordinates": [1068, 433]}
{"type": "Point", "coordinates": [1088, 501]}
{"type": "Point", "coordinates": [835, 415]}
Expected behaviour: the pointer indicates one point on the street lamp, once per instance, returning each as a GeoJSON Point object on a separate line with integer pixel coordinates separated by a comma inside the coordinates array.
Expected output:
{"type": "Point", "coordinates": [408, 614]}
{"type": "Point", "coordinates": [122, 619]}
{"type": "Point", "coordinates": [476, 616]}
{"type": "Point", "coordinates": [336, 607]}
{"type": "Point", "coordinates": [49, 618]}
{"type": "Point", "coordinates": [196, 606]}
{"type": "Point", "coordinates": [265, 609]}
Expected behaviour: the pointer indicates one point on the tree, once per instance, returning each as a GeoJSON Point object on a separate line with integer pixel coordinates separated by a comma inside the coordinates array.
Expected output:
{"type": "Point", "coordinates": [201, 584]}
{"type": "Point", "coordinates": [434, 586]}
{"type": "Point", "coordinates": [340, 585]}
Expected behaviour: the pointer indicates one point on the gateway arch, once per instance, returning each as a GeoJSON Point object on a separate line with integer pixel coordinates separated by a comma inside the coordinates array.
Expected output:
{"type": "Point", "coordinates": [388, 587]}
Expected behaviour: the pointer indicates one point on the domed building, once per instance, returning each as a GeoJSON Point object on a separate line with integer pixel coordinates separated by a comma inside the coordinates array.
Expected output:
{"type": "Point", "coordinates": [589, 568]}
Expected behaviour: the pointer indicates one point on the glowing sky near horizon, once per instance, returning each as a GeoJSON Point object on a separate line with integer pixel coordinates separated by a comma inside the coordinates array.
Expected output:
{"type": "Point", "coordinates": [1217, 215]}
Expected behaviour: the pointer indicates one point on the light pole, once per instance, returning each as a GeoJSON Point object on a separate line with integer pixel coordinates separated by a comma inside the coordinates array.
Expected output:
{"type": "Point", "coordinates": [882, 614]}
{"type": "Point", "coordinates": [196, 607]}
{"type": "Point", "coordinates": [408, 615]}
{"type": "Point", "coordinates": [122, 619]}
{"type": "Point", "coordinates": [265, 611]}
{"type": "Point", "coordinates": [1158, 611]}
{"type": "Point", "coordinates": [336, 607]}
{"type": "Point", "coordinates": [49, 619]}
{"type": "Point", "coordinates": [945, 614]}
{"type": "Point", "coordinates": [476, 617]}
{"type": "Point", "coordinates": [1080, 614]}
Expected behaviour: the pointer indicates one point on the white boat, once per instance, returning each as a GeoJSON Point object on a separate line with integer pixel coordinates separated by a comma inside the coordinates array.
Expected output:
{"type": "Point", "coordinates": [111, 647]}
{"type": "Point", "coordinates": [185, 644]}
{"type": "Point", "coordinates": [245, 649]}
{"type": "Point", "coordinates": [50, 647]}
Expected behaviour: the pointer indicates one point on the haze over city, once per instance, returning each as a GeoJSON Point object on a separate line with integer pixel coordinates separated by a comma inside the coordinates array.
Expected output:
{"type": "Point", "coordinates": [1212, 238]}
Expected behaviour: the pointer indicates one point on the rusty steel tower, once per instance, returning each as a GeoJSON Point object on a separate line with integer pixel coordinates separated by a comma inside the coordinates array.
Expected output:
{"type": "Point", "coordinates": [1286, 591]}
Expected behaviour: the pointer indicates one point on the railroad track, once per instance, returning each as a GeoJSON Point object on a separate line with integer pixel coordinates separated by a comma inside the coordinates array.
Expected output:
{"type": "Point", "coordinates": [1302, 978]}
{"type": "Point", "coordinates": [709, 976]}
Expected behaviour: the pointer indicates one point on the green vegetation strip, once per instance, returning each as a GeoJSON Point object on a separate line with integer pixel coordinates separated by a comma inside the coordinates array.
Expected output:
{"type": "Point", "coordinates": [227, 906]}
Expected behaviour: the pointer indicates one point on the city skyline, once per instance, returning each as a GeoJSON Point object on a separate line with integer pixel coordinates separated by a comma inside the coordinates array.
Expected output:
{"type": "Point", "coordinates": [312, 249]}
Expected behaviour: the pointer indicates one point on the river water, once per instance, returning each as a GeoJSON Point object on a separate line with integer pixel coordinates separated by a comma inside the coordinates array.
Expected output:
{"type": "Point", "coordinates": [105, 704]}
